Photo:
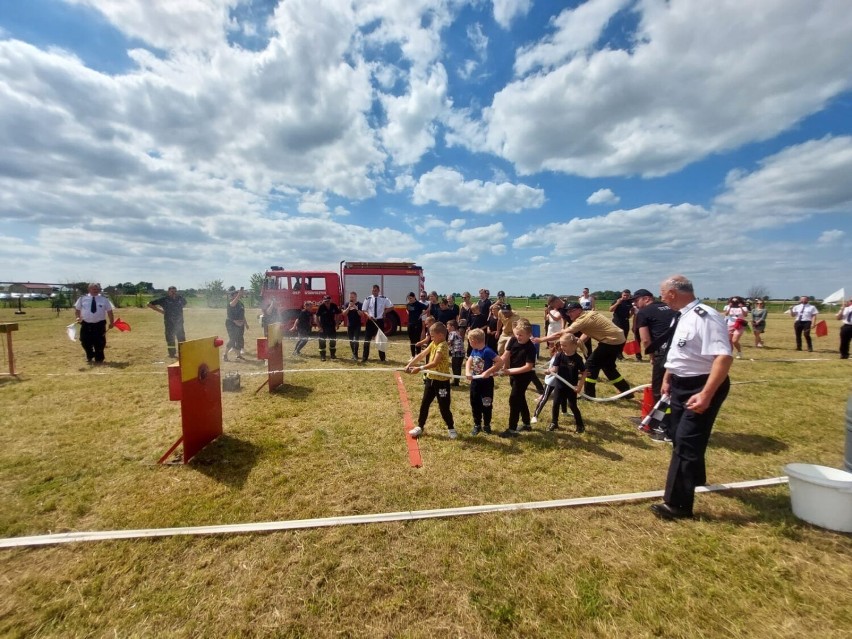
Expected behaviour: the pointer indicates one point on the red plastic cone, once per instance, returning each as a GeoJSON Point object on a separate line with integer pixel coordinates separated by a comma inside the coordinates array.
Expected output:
{"type": "Point", "coordinates": [631, 347]}
{"type": "Point", "coordinates": [647, 401]}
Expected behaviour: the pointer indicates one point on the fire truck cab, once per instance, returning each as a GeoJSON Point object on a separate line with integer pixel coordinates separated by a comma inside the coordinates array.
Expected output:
{"type": "Point", "coordinates": [292, 288]}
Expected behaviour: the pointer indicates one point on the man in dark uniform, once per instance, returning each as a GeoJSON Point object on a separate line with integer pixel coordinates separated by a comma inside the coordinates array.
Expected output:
{"type": "Point", "coordinates": [653, 320]}
{"type": "Point", "coordinates": [171, 308]}
{"type": "Point", "coordinates": [622, 310]}
{"type": "Point", "coordinates": [327, 318]}
{"type": "Point", "coordinates": [698, 359]}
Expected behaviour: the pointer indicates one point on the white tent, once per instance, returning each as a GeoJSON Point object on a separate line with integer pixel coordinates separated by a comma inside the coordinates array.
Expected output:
{"type": "Point", "coordinates": [837, 297]}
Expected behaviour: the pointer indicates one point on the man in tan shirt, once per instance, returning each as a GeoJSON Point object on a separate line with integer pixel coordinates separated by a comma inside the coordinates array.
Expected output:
{"type": "Point", "coordinates": [610, 340]}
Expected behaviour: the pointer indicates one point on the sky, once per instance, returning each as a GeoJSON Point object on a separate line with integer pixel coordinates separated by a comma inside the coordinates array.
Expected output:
{"type": "Point", "coordinates": [526, 145]}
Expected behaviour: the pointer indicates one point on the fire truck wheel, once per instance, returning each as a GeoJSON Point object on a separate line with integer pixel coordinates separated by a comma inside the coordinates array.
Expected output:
{"type": "Point", "coordinates": [391, 324]}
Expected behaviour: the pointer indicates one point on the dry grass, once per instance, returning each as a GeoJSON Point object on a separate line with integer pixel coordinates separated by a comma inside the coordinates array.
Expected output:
{"type": "Point", "coordinates": [77, 452]}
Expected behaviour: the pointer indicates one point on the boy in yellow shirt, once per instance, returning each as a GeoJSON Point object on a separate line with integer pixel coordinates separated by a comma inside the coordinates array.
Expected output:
{"type": "Point", "coordinates": [436, 383]}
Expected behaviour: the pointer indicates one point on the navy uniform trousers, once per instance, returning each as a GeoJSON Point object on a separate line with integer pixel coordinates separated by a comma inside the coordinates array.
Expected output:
{"type": "Point", "coordinates": [691, 432]}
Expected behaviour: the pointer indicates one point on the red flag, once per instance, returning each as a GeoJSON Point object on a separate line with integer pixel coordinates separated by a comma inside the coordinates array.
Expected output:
{"type": "Point", "coordinates": [821, 329]}
{"type": "Point", "coordinates": [632, 347]}
{"type": "Point", "coordinates": [121, 325]}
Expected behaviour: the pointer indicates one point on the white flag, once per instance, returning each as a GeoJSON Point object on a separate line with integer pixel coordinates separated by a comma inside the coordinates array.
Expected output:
{"type": "Point", "coordinates": [381, 341]}
{"type": "Point", "coordinates": [71, 332]}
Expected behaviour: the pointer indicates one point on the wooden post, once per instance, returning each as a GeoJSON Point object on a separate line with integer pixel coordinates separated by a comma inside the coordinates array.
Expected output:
{"type": "Point", "coordinates": [10, 353]}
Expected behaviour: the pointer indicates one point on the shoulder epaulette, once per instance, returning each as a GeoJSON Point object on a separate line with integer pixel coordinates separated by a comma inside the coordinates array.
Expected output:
{"type": "Point", "coordinates": [700, 311]}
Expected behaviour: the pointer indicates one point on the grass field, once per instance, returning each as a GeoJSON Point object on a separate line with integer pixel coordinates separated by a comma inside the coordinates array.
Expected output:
{"type": "Point", "coordinates": [78, 447]}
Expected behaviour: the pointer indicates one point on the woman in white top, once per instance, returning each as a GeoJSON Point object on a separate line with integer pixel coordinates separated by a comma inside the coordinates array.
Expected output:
{"type": "Point", "coordinates": [553, 319]}
{"type": "Point", "coordinates": [736, 314]}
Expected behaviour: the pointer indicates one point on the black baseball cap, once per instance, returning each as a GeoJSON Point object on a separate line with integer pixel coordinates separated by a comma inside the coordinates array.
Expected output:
{"type": "Point", "coordinates": [573, 306]}
{"type": "Point", "coordinates": [642, 292]}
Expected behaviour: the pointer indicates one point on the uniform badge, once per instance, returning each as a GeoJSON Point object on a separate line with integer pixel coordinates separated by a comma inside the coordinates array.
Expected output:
{"type": "Point", "coordinates": [681, 342]}
{"type": "Point", "coordinates": [700, 311]}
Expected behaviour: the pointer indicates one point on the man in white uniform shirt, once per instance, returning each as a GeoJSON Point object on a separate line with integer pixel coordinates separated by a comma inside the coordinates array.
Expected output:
{"type": "Point", "coordinates": [805, 314]}
{"type": "Point", "coordinates": [697, 363]}
{"type": "Point", "coordinates": [92, 311]}
{"type": "Point", "coordinates": [375, 307]}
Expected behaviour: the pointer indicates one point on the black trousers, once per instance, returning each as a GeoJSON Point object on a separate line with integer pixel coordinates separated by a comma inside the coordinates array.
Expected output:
{"type": "Point", "coordinates": [236, 333]}
{"type": "Point", "coordinates": [845, 338]}
{"type": "Point", "coordinates": [353, 332]}
{"type": "Point", "coordinates": [803, 328]}
{"type": "Point", "coordinates": [563, 395]}
{"type": "Point", "coordinates": [93, 340]}
{"type": "Point", "coordinates": [603, 358]}
{"type": "Point", "coordinates": [174, 334]}
{"type": "Point", "coordinates": [518, 409]}
{"type": "Point", "coordinates": [331, 335]}
{"type": "Point", "coordinates": [435, 389]}
{"type": "Point", "coordinates": [658, 372]}
{"type": "Point", "coordinates": [456, 364]}
{"type": "Point", "coordinates": [691, 436]}
{"type": "Point", "coordinates": [414, 331]}
{"type": "Point", "coordinates": [482, 401]}
{"type": "Point", "coordinates": [371, 330]}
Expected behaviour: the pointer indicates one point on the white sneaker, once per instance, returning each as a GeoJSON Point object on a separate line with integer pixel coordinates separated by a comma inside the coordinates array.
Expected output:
{"type": "Point", "coordinates": [739, 355]}
{"type": "Point", "coordinates": [452, 433]}
{"type": "Point", "coordinates": [416, 432]}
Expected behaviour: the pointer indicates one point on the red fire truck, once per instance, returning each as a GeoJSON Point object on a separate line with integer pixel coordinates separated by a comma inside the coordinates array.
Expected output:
{"type": "Point", "coordinates": [396, 279]}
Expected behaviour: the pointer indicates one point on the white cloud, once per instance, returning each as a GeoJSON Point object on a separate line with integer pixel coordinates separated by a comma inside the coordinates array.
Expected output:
{"type": "Point", "coordinates": [448, 188]}
{"type": "Point", "coordinates": [505, 11]}
{"type": "Point", "coordinates": [603, 196]}
{"type": "Point", "coordinates": [812, 177]}
{"type": "Point", "coordinates": [413, 25]}
{"type": "Point", "coordinates": [427, 224]}
{"type": "Point", "coordinates": [165, 24]}
{"type": "Point", "coordinates": [480, 235]}
{"type": "Point", "coordinates": [478, 40]}
{"type": "Point", "coordinates": [702, 78]}
{"type": "Point", "coordinates": [410, 130]}
{"type": "Point", "coordinates": [315, 204]}
{"type": "Point", "coordinates": [577, 29]}
{"type": "Point", "coordinates": [831, 237]}
{"type": "Point", "coordinates": [403, 182]}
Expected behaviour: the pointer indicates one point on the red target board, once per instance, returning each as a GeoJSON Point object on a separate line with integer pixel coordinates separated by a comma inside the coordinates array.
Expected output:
{"type": "Point", "coordinates": [196, 381]}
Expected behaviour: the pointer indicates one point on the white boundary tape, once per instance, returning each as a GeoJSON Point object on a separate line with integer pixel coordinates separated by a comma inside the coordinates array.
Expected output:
{"type": "Point", "coordinates": [299, 524]}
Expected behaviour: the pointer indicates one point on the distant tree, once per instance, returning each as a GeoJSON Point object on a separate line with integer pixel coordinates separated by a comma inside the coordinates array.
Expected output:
{"type": "Point", "coordinates": [214, 292]}
{"type": "Point", "coordinates": [144, 287]}
{"type": "Point", "coordinates": [256, 287]}
{"type": "Point", "coordinates": [78, 288]}
{"type": "Point", "coordinates": [758, 292]}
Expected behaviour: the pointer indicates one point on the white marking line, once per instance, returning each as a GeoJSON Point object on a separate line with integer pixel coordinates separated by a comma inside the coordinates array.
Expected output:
{"type": "Point", "coordinates": [298, 524]}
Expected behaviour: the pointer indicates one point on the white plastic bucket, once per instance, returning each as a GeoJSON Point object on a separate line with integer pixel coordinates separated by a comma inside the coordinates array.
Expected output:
{"type": "Point", "coordinates": [821, 495]}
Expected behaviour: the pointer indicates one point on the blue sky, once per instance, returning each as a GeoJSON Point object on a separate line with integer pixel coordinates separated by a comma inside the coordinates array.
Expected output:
{"type": "Point", "coordinates": [522, 145]}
